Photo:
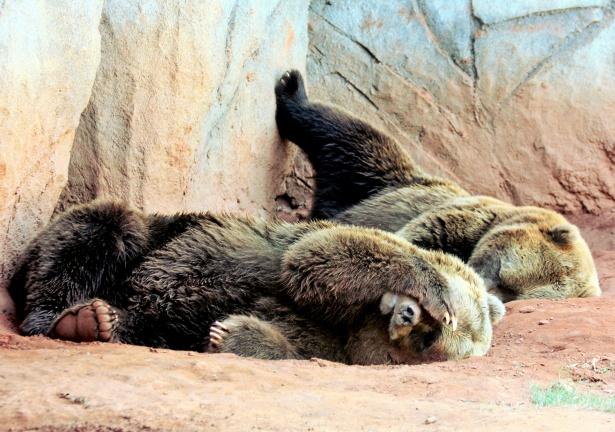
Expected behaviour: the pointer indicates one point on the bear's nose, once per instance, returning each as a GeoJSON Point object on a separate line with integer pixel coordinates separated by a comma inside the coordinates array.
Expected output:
{"type": "Point", "coordinates": [408, 314]}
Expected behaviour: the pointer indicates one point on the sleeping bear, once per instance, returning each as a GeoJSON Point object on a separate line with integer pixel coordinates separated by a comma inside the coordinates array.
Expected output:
{"type": "Point", "coordinates": [209, 282]}
{"type": "Point", "coordinates": [365, 178]}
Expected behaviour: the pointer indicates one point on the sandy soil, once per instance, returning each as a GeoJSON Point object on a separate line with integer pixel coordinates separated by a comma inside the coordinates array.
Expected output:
{"type": "Point", "coordinates": [55, 386]}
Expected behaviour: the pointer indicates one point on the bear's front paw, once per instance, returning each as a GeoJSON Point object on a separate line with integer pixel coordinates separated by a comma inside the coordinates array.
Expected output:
{"type": "Point", "coordinates": [291, 87]}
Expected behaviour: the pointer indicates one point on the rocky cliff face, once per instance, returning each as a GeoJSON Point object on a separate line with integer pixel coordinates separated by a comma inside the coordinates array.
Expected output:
{"type": "Point", "coordinates": [49, 54]}
{"type": "Point", "coordinates": [169, 106]}
{"type": "Point", "coordinates": [181, 114]}
{"type": "Point", "coordinates": [513, 99]}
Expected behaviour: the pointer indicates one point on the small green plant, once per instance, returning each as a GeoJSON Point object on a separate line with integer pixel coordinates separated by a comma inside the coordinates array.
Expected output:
{"type": "Point", "coordinates": [562, 394]}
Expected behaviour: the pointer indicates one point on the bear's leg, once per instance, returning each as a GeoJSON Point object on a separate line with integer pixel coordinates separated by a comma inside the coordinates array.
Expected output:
{"type": "Point", "coordinates": [249, 336]}
{"type": "Point", "coordinates": [352, 159]}
{"type": "Point", "coordinates": [455, 230]}
{"type": "Point", "coordinates": [81, 256]}
{"type": "Point", "coordinates": [337, 272]}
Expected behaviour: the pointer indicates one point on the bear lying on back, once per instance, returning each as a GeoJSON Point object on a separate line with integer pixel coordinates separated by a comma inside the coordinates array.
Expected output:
{"type": "Point", "coordinates": [365, 178]}
{"type": "Point", "coordinates": [106, 272]}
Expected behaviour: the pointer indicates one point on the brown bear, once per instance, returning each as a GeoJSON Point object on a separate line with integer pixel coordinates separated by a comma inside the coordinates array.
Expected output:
{"type": "Point", "coordinates": [106, 272]}
{"type": "Point", "coordinates": [365, 178]}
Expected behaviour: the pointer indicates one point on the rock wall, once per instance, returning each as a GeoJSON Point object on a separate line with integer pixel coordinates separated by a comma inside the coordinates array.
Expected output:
{"type": "Point", "coordinates": [513, 99]}
{"type": "Point", "coordinates": [49, 53]}
{"type": "Point", "coordinates": [182, 111]}
{"type": "Point", "coordinates": [168, 105]}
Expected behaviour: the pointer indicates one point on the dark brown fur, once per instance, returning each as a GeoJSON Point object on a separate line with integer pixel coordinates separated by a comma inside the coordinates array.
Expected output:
{"type": "Point", "coordinates": [168, 278]}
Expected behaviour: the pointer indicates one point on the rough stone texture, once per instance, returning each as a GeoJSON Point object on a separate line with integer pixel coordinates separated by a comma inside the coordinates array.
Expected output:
{"type": "Point", "coordinates": [107, 387]}
{"type": "Point", "coordinates": [600, 235]}
{"type": "Point", "coordinates": [490, 12]}
{"type": "Point", "coordinates": [512, 99]}
{"type": "Point", "coordinates": [295, 198]}
{"type": "Point", "coordinates": [49, 53]}
{"type": "Point", "coordinates": [182, 112]}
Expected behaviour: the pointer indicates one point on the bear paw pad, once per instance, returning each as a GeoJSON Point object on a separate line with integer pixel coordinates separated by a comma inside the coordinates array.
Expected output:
{"type": "Point", "coordinates": [89, 322]}
{"type": "Point", "coordinates": [291, 86]}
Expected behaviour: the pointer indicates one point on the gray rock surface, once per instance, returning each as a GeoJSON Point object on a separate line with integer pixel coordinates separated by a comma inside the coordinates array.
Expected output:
{"type": "Point", "coordinates": [511, 99]}
{"type": "Point", "coordinates": [182, 111]}
{"type": "Point", "coordinates": [490, 11]}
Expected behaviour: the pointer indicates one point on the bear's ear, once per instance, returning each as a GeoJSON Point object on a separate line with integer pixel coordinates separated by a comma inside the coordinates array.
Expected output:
{"type": "Point", "coordinates": [496, 308]}
{"type": "Point", "coordinates": [563, 234]}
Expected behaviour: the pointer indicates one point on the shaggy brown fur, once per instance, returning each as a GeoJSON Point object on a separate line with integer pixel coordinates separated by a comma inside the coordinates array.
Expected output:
{"type": "Point", "coordinates": [103, 271]}
{"type": "Point", "coordinates": [365, 178]}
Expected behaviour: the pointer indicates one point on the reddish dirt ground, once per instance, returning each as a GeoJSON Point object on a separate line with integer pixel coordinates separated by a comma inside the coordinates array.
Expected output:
{"type": "Point", "coordinates": [46, 385]}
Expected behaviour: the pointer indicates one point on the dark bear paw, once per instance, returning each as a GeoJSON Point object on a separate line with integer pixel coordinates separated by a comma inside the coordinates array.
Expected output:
{"type": "Point", "coordinates": [291, 88]}
{"type": "Point", "coordinates": [217, 333]}
{"type": "Point", "coordinates": [87, 322]}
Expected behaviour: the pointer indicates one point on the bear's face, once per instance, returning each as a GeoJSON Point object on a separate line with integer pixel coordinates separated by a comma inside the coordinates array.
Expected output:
{"type": "Point", "coordinates": [538, 254]}
{"type": "Point", "coordinates": [426, 339]}
{"type": "Point", "coordinates": [476, 310]}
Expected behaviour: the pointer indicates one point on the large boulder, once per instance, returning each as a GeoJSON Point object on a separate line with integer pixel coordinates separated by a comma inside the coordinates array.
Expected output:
{"type": "Point", "coordinates": [49, 54]}
{"type": "Point", "coordinates": [182, 112]}
{"type": "Point", "coordinates": [514, 100]}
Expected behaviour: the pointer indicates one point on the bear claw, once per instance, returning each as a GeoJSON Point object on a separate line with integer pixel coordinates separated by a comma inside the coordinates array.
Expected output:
{"type": "Point", "coordinates": [88, 322]}
{"type": "Point", "coordinates": [454, 323]}
{"type": "Point", "coordinates": [217, 333]}
{"type": "Point", "coordinates": [450, 320]}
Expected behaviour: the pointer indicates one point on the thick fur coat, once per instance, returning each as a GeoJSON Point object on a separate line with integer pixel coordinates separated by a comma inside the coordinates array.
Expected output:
{"type": "Point", "coordinates": [104, 271]}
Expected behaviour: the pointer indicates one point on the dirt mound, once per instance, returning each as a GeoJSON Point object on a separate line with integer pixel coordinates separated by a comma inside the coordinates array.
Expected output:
{"type": "Point", "coordinates": [48, 385]}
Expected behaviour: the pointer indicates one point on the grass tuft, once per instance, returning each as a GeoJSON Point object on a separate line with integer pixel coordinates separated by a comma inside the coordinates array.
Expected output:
{"type": "Point", "coordinates": [561, 394]}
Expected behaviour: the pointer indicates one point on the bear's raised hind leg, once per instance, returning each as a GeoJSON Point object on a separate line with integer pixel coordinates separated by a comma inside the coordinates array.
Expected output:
{"type": "Point", "coordinates": [352, 159]}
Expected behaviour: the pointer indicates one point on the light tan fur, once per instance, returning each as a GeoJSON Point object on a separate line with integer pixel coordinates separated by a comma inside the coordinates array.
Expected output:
{"type": "Point", "coordinates": [520, 251]}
